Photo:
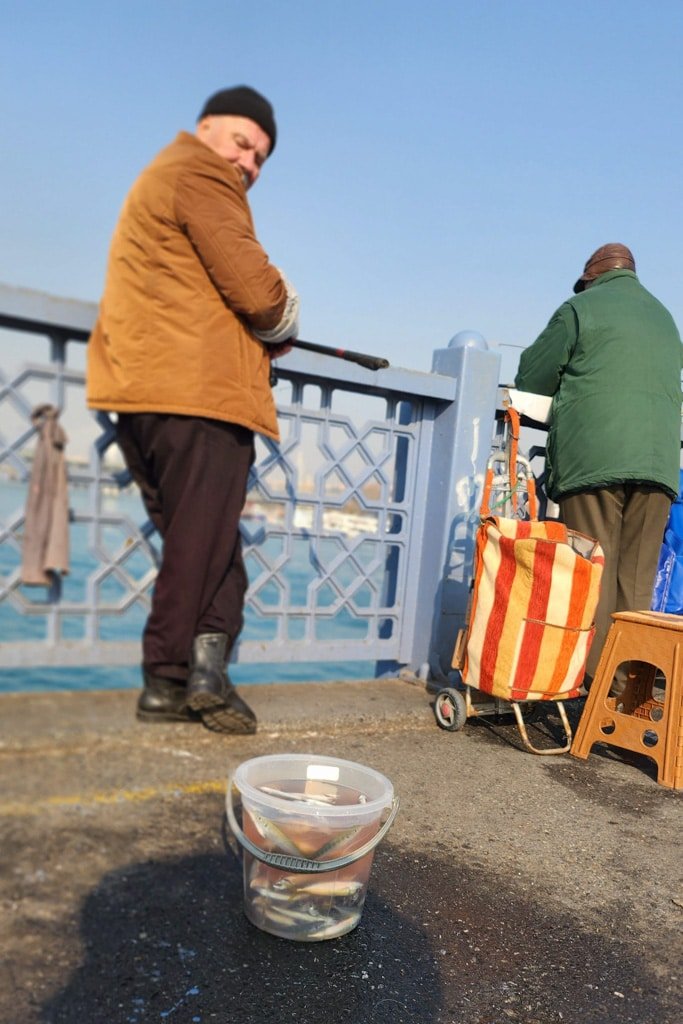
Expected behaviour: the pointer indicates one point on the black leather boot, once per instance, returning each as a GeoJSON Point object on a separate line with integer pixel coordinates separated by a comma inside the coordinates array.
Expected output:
{"type": "Point", "coordinates": [164, 700]}
{"type": "Point", "coordinates": [209, 690]}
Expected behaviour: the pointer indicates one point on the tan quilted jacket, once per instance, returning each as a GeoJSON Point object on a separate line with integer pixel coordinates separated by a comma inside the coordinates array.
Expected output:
{"type": "Point", "coordinates": [186, 281]}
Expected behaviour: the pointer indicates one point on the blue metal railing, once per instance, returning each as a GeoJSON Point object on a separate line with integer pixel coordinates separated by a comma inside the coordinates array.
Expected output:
{"type": "Point", "coordinates": [358, 529]}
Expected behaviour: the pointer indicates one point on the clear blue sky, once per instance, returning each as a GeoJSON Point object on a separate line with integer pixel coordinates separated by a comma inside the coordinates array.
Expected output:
{"type": "Point", "coordinates": [439, 166]}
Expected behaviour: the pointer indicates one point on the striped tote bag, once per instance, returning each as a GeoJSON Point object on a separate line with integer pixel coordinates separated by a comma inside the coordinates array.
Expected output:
{"type": "Point", "coordinates": [535, 591]}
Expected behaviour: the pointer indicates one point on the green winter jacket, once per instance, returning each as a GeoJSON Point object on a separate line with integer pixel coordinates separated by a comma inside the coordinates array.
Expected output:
{"type": "Point", "coordinates": [611, 358]}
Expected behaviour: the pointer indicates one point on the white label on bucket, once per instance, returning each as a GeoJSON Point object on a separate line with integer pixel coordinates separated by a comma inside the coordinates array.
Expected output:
{"type": "Point", "coordinates": [323, 772]}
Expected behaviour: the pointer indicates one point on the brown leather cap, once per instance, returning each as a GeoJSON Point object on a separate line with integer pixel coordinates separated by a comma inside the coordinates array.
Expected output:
{"type": "Point", "coordinates": [612, 256]}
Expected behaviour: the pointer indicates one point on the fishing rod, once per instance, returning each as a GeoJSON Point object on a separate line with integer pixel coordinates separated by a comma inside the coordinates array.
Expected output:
{"type": "Point", "coordinates": [369, 362]}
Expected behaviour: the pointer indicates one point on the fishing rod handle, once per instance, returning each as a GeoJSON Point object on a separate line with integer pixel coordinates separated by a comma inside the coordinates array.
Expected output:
{"type": "Point", "coordinates": [369, 362]}
{"type": "Point", "coordinates": [361, 358]}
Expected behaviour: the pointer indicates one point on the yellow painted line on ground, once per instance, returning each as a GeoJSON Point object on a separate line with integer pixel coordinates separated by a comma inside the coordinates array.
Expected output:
{"type": "Point", "coordinates": [116, 796]}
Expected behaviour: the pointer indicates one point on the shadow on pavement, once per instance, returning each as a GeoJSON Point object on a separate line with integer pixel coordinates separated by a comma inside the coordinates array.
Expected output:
{"type": "Point", "coordinates": [169, 941]}
{"type": "Point", "coordinates": [441, 941]}
{"type": "Point", "coordinates": [545, 730]}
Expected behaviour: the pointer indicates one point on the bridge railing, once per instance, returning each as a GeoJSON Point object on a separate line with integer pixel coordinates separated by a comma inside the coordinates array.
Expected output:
{"type": "Point", "coordinates": [358, 529]}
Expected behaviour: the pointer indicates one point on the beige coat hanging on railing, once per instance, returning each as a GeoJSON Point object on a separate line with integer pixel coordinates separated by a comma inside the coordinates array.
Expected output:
{"type": "Point", "coordinates": [45, 550]}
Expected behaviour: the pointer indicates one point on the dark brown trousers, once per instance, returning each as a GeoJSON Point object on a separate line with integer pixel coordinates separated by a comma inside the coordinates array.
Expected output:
{"type": "Point", "coordinates": [628, 520]}
{"type": "Point", "coordinates": [192, 474]}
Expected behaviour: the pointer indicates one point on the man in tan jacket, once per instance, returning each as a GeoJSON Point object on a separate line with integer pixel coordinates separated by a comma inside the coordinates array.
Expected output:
{"type": "Point", "coordinates": [192, 313]}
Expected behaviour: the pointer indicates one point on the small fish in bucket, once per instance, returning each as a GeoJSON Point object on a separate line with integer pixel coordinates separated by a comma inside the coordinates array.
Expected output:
{"type": "Point", "coordinates": [310, 826]}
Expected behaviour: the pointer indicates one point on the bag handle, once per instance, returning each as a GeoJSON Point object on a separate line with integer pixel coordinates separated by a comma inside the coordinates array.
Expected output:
{"type": "Point", "coordinates": [302, 865]}
{"type": "Point", "coordinates": [512, 421]}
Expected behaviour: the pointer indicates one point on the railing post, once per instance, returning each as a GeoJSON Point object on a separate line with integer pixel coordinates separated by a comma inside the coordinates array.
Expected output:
{"type": "Point", "coordinates": [461, 445]}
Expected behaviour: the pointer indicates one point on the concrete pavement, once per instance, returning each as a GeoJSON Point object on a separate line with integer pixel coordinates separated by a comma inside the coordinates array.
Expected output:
{"type": "Point", "coordinates": [510, 888]}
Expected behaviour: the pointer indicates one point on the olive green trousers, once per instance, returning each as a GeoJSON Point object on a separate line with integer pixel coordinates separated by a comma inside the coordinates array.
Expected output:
{"type": "Point", "coordinates": [628, 520]}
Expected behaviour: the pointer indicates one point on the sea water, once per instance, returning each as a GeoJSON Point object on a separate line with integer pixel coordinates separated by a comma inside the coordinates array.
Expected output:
{"type": "Point", "coordinates": [128, 627]}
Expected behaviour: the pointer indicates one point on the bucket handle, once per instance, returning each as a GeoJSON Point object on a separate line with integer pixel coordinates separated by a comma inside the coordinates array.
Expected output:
{"type": "Point", "coordinates": [301, 864]}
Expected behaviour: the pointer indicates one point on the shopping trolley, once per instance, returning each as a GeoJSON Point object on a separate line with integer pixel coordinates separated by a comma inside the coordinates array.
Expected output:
{"type": "Point", "coordinates": [534, 592]}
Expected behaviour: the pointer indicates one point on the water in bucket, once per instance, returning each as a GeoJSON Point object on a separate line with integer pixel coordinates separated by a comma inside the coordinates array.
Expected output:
{"type": "Point", "coordinates": [317, 808]}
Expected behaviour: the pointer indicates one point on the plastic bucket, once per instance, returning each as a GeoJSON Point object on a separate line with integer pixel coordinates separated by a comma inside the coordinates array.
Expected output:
{"type": "Point", "coordinates": [310, 826]}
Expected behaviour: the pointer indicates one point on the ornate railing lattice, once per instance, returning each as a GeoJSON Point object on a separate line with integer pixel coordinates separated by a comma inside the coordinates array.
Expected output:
{"type": "Point", "coordinates": [346, 527]}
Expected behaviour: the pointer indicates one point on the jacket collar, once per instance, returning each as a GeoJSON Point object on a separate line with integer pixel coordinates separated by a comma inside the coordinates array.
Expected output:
{"type": "Point", "coordinates": [610, 275]}
{"type": "Point", "coordinates": [188, 139]}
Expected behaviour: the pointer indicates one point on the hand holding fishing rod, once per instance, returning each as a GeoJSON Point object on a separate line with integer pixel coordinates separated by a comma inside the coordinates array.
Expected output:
{"type": "Point", "coordinates": [284, 337]}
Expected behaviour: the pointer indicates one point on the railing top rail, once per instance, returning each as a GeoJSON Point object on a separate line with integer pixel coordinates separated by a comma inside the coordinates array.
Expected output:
{"type": "Point", "coordinates": [406, 383]}
{"type": "Point", "coordinates": [24, 309]}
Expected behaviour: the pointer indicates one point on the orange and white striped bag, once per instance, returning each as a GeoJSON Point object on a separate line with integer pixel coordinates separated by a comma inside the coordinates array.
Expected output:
{"type": "Point", "coordinates": [536, 588]}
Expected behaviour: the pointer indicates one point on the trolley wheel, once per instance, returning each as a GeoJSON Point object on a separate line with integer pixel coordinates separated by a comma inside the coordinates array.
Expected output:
{"type": "Point", "coordinates": [450, 709]}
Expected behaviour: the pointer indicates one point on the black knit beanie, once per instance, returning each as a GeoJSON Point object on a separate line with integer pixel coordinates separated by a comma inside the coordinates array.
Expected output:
{"type": "Point", "coordinates": [241, 101]}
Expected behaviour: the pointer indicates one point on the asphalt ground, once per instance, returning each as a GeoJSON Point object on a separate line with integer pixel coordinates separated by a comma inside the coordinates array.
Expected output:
{"type": "Point", "coordinates": [511, 887]}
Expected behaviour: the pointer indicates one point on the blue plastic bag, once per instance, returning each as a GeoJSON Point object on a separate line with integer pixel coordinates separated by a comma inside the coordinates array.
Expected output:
{"type": "Point", "coordinates": [668, 589]}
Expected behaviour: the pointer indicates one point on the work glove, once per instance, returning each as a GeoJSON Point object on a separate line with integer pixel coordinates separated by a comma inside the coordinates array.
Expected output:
{"type": "Point", "coordinates": [288, 326]}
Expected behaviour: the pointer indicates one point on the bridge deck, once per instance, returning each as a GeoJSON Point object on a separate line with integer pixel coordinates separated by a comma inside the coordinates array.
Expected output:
{"type": "Point", "coordinates": [511, 887]}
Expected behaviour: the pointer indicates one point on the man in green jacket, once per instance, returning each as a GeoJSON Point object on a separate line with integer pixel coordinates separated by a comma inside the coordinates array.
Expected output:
{"type": "Point", "coordinates": [611, 359]}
